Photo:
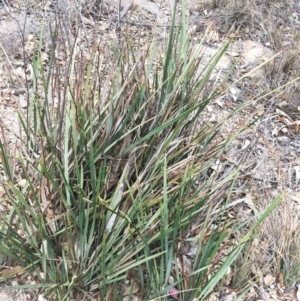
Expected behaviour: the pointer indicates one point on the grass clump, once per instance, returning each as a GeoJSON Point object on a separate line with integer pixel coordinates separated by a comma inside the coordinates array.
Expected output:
{"type": "Point", "coordinates": [118, 177]}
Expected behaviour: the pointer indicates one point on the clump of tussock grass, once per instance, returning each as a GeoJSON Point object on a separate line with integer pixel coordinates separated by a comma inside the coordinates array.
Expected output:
{"type": "Point", "coordinates": [117, 171]}
{"type": "Point", "coordinates": [281, 242]}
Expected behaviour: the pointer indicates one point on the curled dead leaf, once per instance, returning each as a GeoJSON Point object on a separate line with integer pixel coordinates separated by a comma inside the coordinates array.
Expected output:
{"type": "Point", "coordinates": [133, 289]}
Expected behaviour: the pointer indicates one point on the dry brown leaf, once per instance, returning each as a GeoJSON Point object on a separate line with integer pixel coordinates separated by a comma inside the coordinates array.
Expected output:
{"type": "Point", "coordinates": [283, 103]}
{"type": "Point", "coordinates": [103, 26]}
{"type": "Point", "coordinates": [269, 279]}
{"type": "Point", "coordinates": [187, 265]}
{"type": "Point", "coordinates": [249, 201]}
{"type": "Point", "coordinates": [211, 297]}
{"type": "Point", "coordinates": [213, 36]}
{"type": "Point", "coordinates": [17, 270]}
{"type": "Point", "coordinates": [133, 289]}
{"type": "Point", "coordinates": [280, 281]}
{"type": "Point", "coordinates": [2, 191]}
{"type": "Point", "coordinates": [48, 208]}
{"type": "Point", "coordinates": [30, 43]}
{"type": "Point", "coordinates": [87, 21]}
{"type": "Point", "coordinates": [260, 110]}
{"type": "Point", "coordinates": [285, 120]}
{"type": "Point", "coordinates": [296, 126]}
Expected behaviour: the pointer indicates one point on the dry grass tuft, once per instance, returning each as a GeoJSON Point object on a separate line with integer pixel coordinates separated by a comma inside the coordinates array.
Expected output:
{"type": "Point", "coordinates": [281, 237]}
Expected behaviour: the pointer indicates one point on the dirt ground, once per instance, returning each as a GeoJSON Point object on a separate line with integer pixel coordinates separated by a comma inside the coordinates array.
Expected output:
{"type": "Point", "coordinates": [259, 30]}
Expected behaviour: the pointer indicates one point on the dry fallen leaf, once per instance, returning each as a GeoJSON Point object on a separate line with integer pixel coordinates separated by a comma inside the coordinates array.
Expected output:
{"type": "Point", "coordinates": [269, 279]}
{"type": "Point", "coordinates": [133, 289]}
{"type": "Point", "coordinates": [103, 26]}
{"type": "Point", "coordinates": [87, 21]}
{"type": "Point", "coordinates": [2, 191]}
{"type": "Point", "coordinates": [187, 265]}
{"type": "Point", "coordinates": [280, 281]}
{"type": "Point", "coordinates": [260, 110]}
{"type": "Point", "coordinates": [249, 201]}
{"type": "Point", "coordinates": [17, 270]}
{"type": "Point", "coordinates": [212, 297]}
